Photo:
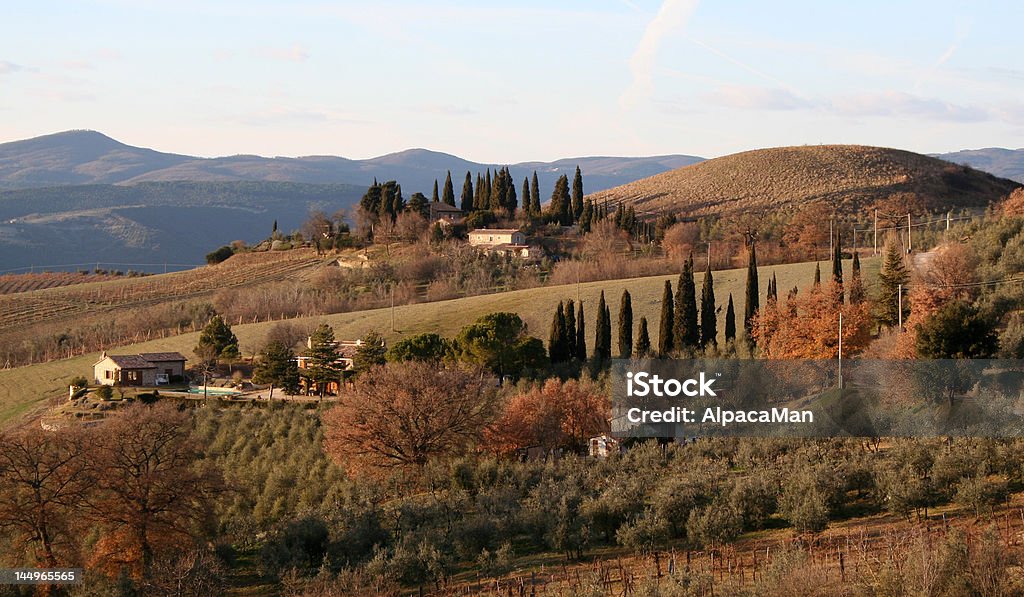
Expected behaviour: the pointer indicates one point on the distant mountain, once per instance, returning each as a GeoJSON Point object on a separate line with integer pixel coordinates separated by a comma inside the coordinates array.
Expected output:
{"type": "Point", "coordinates": [89, 157]}
{"type": "Point", "coordinates": [1008, 163]}
{"type": "Point", "coordinates": [847, 177]}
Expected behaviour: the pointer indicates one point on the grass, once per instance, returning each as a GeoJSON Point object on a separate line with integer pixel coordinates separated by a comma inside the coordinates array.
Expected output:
{"type": "Point", "coordinates": [848, 177]}
{"type": "Point", "coordinates": [24, 390]}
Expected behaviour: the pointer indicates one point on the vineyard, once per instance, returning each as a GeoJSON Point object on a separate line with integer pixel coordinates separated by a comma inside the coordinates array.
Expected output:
{"type": "Point", "coordinates": [17, 283]}
{"type": "Point", "coordinates": [28, 305]}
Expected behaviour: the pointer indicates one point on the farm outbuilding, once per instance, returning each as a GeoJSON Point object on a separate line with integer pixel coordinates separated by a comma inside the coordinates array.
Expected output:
{"type": "Point", "coordinates": [146, 369]}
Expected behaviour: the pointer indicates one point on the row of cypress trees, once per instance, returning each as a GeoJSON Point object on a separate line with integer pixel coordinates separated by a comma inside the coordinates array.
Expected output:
{"type": "Point", "coordinates": [682, 326]}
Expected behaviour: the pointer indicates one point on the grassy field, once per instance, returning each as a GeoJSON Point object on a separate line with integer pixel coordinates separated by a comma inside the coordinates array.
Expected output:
{"type": "Point", "coordinates": [27, 389]}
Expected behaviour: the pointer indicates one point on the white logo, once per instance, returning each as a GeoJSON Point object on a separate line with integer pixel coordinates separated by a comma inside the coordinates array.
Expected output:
{"type": "Point", "coordinates": [644, 384]}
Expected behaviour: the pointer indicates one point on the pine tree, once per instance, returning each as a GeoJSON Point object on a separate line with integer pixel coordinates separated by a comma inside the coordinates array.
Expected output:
{"type": "Point", "coordinates": [448, 194]}
{"type": "Point", "coordinates": [217, 341]}
{"type": "Point", "coordinates": [708, 316]}
{"type": "Point", "coordinates": [570, 330]}
{"type": "Point", "coordinates": [534, 195]}
{"type": "Point", "coordinates": [556, 340]}
{"type": "Point", "coordinates": [665, 342]}
{"type": "Point", "coordinates": [856, 283]}
{"type": "Point", "coordinates": [753, 302]}
{"type": "Point", "coordinates": [643, 340]}
{"type": "Point", "coordinates": [277, 366]}
{"type": "Point", "coordinates": [602, 337]}
{"type": "Point", "coordinates": [418, 204]}
{"type": "Point", "coordinates": [466, 201]}
{"type": "Point", "coordinates": [434, 198]}
{"type": "Point", "coordinates": [893, 275]}
{"type": "Point", "coordinates": [685, 331]}
{"type": "Point", "coordinates": [322, 364]}
{"type": "Point", "coordinates": [577, 197]}
{"type": "Point", "coordinates": [581, 335]}
{"type": "Point", "coordinates": [625, 326]}
{"type": "Point", "coordinates": [730, 322]}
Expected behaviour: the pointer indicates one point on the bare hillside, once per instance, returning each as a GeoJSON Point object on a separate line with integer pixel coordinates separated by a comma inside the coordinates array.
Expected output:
{"type": "Point", "coordinates": [849, 177]}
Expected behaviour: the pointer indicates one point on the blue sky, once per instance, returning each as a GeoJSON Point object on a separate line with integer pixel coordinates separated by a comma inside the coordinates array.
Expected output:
{"type": "Point", "coordinates": [512, 81]}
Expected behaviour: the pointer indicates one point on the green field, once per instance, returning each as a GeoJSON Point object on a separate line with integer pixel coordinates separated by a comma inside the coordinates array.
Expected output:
{"type": "Point", "coordinates": [26, 389]}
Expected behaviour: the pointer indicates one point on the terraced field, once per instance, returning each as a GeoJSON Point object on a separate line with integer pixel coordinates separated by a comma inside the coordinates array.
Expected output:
{"type": "Point", "coordinates": [16, 283]}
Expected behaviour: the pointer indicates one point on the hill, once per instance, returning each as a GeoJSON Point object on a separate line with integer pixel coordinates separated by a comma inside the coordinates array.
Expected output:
{"type": "Point", "coordinates": [89, 157]}
{"type": "Point", "coordinates": [849, 177]}
{"type": "Point", "coordinates": [1007, 163]}
{"type": "Point", "coordinates": [152, 223]}
{"type": "Point", "coordinates": [23, 389]}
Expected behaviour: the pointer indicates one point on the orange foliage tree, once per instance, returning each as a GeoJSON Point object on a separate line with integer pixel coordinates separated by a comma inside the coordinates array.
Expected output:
{"type": "Point", "coordinates": [555, 415]}
{"type": "Point", "coordinates": [404, 414]}
{"type": "Point", "coordinates": [806, 326]}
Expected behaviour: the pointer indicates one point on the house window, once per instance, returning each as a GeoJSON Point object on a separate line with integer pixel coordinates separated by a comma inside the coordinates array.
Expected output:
{"type": "Point", "coordinates": [108, 374]}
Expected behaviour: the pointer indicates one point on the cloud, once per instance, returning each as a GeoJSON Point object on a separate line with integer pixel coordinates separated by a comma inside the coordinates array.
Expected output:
{"type": "Point", "coordinates": [672, 15]}
{"type": "Point", "coordinates": [756, 98]}
{"type": "Point", "coordinates": [449, 110]}
{"type": "Point", "coordinates": [7, 68]}
{"type": "Point", "coordinates": [294, 53]}
{"type": "Point", "coordinates": [900, 104]}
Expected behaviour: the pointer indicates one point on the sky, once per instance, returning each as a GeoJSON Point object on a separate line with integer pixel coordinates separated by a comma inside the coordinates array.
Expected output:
{"type": "Point", "coordinates": [514, 81]}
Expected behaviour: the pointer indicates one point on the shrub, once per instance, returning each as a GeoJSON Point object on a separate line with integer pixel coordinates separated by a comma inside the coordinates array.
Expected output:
{"type": "Point", "coordinates": [105, 392]}
{"type": "Point", "coordinates": [221, 254]}
{"type": "Point", "coordinates": [301, 544]}
{"type": "Point", "coordinates": [713, 525]}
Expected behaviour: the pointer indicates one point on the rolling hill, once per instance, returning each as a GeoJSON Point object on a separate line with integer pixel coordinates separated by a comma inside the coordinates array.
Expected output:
{"type": "Point", "coordinates": [1008, 163]}
{"type": "Point", "coordinates": [90, 157]}
{"type": "Point", "coordinates": [23, 389]}
{"type": "Point", "coordinates": [849, 177]}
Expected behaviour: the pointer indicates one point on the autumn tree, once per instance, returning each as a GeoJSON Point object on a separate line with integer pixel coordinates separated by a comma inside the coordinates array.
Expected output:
{"type": "Point", "coordinates": [151, 492]}
{"type": "Point", "coordinates": [45, 479]}
{"type": "Point", "coordinates": [555, 415]}
{"type": "Point", "coordinates": [680, 239]}
{"type": "Point", "coordinates": [625, 326]}
{"type": "Point", "coordinates": [807, 326]}
{"type": "Point", "coordinates": [406, 414]}
{"type": "Point", "coordinates": [665, 342]}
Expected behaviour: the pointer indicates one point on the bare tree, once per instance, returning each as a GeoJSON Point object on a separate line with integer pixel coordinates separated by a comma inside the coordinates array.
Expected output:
{"type": "Point", "coordinates": [404, 414]}
{"type": "Point", "coordinates": [44, 479]}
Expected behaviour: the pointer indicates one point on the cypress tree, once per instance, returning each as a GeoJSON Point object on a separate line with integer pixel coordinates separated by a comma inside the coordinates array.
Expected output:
{"type": "Point", "coordinates": [856, 284]}
{"type": "Point", "coordinates": [708, 317]}
{"type": "Point", "coordinates": [602, 335]}
{"type": "Point", "coordinates": [434, 198]}
{"type": "Point", "coordinates": [466, 201]}
{"type": "Point", "coordinates": [817, 275]}
{"type": "Point", "coordinates": [570, 331]}
{"type": "Point", "coordinates": [753, 302]}
{"type": "Point", "coordinates": [665, 343]}
{"type": "Point", "coordinates": [478, 194]}
{"type": "Point", "coordinates": [560, 208]}
{"type": "Point", "coordinates": [686, 332]}
{"type": "Point", "coordinates": [526, 197]}
{"type": "Point", "coordinates": [534, 195]}
{"type": "Point", "coordinates": [448, 194]}
{"type": "Point", "coordinates": [581, 335]}
{"type": "Point", "coordinates": [625, 326]}
{"type": "Point", "coordinates": [643, 340]}
{"type": "Point", "coordinates": [510, 193]}
{"type": "Point", "coordinates": [498, 190]}
{"type": "Point", "coordinates": [837, 268]}
{"type": "Point", "coordinates": [556, 340]}
{"type": "Point", "coordinates": [773, 289]}
{"type": "Point", "coordinates": [577, 196]}
{"type": "Point", "coordinates": [730, 322]}
{"type": "Point", "coordinates": [487, 199]}
{"type": "Point", "coordinates": [587, 217]}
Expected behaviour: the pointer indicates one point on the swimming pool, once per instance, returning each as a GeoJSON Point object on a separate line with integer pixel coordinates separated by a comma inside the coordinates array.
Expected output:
{"type": "Point", "coordinates": [214, 391]}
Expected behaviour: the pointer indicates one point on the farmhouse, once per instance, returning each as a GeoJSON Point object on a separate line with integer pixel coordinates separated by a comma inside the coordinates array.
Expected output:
{"type": "Point", "coordinates": [508, 242]}
{"type": "Point", "coordinates": [346, 351]}
{"type": "Point", "coordinates": [145, 369]}
{"type": "Point", "coordinates": [442, 212]}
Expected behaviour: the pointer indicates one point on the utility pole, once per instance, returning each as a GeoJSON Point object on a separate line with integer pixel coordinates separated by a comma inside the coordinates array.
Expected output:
{"type": "Point", "coordinates": [910, 242]}
{"type": "Point", "coordinates": [392, 307]}
{"type": "Point", "coordinates": [876, 233]}
{"type": "Point", "coordinates": [840, 350]}
{"type": "Point", "coordinates": [949, 216]}
{"type": "Point", "coordinates": [899, 305]}
{"type": "Point", "coordinates": [709, 254]}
